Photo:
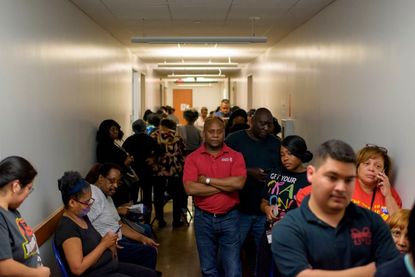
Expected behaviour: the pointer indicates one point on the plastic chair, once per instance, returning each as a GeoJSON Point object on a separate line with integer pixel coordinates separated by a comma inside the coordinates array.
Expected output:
{"type": "Point", "coordinates": [58, 258]}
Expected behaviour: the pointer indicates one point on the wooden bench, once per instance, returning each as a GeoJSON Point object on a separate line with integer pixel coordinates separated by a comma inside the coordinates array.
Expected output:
{"type": "Point", "coordinates": [47, 228]}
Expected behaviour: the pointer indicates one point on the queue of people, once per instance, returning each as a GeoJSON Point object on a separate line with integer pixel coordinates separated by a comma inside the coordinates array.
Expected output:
{"type": "Point", "coordinates": [339, 215]}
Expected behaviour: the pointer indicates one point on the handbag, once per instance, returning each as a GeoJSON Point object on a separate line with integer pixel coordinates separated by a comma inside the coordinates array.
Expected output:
{"type": "Point", "coordinates": [130, 177]}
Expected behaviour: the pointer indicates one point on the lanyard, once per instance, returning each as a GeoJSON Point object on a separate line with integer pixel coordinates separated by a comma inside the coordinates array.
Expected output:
{"type": "Point", "coordinates": [373, 198]}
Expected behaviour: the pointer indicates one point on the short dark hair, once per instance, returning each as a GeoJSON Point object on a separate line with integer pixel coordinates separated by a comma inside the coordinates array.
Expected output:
{"type": "Point", "coordinates": [297, 146]}
{"type": "Point", "coordinates": [100, 169]}
{"type": "Point", "coordinates": [154, 119]}
{"type": "Point", "coordinates": [146, 114]}
{"type": "Point", "coordinates": [210, 120]}
{"type": "Point", "coordinates": [16, 168]}
{"type": "Point", "coordinates": [170, 124]}
{"type": "Point", "coordinates": [190, 115]}
{"type": "Point", "coordinates": [72, 185]}
{"type": "Point", "coordinates": [103, 133]}
{"type": "Point", "coordinates": [337, 150]}
{"type": "Point", "coordinates": [139, 126]}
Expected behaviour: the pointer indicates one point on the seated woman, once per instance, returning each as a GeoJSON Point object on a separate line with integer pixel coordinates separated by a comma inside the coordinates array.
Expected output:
{"type": "Point", "coordinates": [283, 184]}
{"type": "Point", "coordinates": [86, 253]}
{"type": "Point", "coordinates": [402, 266]}
{"type": "Point", "coordinates": [373, 189]}
{"type": "Point", "coordinates": [19, 253]}
{"type": "Point", "coordinates": [398, 224]}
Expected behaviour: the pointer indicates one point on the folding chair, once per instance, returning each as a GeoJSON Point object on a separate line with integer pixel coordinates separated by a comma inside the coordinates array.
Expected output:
{"type": "Point", "coordinates": [58, 258]}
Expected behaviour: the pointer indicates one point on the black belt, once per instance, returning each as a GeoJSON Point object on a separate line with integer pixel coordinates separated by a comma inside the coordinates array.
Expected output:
{"type": "Point", "coordinates": [217, 214]}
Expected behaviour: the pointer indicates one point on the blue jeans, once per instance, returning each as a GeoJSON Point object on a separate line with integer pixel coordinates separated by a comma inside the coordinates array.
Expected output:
{"type": "Point", "coordinates": [218, 235]}
{"type": "Point", "coordinates": [137, 253]}
{"type": "Point", "coordinates": [254, 224]}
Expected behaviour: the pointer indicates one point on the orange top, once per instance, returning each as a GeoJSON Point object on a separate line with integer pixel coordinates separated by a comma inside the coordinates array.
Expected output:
{"type": "Point", "coordinates": [364, 199]}
{"type": "Point", "coordinates": [301, 194]}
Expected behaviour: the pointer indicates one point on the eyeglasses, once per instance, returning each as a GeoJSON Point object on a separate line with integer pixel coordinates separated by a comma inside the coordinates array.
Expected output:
{"type": "Point", "coordinates": [86, 203]}
{"type": "Point", "coordinates": [380, 148]}
{"type": "Point", "coordinates": [113, 180]}
{"type": "Point", "coordinates": [31, 190]}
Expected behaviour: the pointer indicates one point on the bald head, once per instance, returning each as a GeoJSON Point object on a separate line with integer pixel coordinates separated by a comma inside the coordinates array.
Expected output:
{"type": "Point", "coordinates": [262, 123]}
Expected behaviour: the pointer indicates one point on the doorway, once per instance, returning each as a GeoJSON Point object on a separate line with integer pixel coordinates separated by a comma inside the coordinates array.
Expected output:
{"type": "Point", "coordinates": [135, 99]}
{"type": "Point", "coordinates": [142, 93]}
{"type": "Point", "coordinates": [182, 100]}
{"type": "Point", "coordinates": [249, 96]}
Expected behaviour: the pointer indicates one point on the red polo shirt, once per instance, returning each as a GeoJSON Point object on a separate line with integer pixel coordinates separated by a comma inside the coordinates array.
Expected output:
{"type": "Point", "coordinates": [226, 164]}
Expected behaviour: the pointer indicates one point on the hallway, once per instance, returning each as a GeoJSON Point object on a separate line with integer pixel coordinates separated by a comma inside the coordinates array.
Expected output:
{"type": "Point", "coordinates": [177, 256]}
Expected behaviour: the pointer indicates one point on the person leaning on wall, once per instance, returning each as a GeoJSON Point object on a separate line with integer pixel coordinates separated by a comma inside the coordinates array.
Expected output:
{"type": "Point", "coordinates": [19, 252]}
{"type": "Point", "coordinates": [373, 189]}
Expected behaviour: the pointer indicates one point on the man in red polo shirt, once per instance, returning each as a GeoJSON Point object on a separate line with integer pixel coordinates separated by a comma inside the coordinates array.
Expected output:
{"type": "Point", "coordinates": [213, 174]}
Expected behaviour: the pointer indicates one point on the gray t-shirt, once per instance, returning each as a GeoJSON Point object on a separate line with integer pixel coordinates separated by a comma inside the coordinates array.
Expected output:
{"type": "Point", "coordinates": [191, 137]}
{"type": "Point", "coordinates": [103, 214]}
{"type": "Point", "coordinates": [17, 239]}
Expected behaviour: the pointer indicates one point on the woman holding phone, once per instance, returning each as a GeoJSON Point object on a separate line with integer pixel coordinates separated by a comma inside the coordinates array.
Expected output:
{"type": "Point", "coordinates": [282, 186]}
{"type": "Point", "coordinates": [373, 189]}
{"type": "Point", "coordinates": [86, 253]}
{"type": "Point", "coordinates": [19, 252]}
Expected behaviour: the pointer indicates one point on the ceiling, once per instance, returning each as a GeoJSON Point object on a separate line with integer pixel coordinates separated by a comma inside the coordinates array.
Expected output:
{"type": "Point", "coordinates": [124, 19]}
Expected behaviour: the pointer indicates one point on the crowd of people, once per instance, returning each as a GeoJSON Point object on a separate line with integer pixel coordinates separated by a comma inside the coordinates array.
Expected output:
{"type": "Point", "coordinates": [261, 207]}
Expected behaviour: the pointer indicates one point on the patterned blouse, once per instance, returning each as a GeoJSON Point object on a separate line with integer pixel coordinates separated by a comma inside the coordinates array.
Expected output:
{"type": "Point", "coordinates": [171, 160]}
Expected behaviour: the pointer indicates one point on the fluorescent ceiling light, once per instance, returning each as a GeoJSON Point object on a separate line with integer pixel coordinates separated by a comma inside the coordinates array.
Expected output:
{"type": "Point", "coordinates": [193, 85]}
{"type": "Point", "coordinates": [209, 64]}
{"type": "Point", "coordinates": [199, 40]}
{"type": "Point", "coordinates": [196, 75]}
{"type": "Point", "coordinates": [173, 69]}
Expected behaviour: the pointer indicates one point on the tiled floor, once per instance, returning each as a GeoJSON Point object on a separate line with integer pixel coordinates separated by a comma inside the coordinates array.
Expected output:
{"type": "Point", "coordinates": [177, 256]}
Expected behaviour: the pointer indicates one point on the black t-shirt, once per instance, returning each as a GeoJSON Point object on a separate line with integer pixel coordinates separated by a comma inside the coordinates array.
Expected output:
{"type": "Point", "coordinates": [282, 187]}
{"type": "Point", "coordinates": [263, 154]}
{"type": "Point", "coordinates": [90, 238]}
{"type": "Point", "coordinates": [141, 146]}
{"type": "Point", "coordinates": [108, 152]}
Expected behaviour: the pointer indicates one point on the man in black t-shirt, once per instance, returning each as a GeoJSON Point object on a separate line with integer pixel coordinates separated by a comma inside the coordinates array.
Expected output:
{"type": "Point", "coordinates": [328, 235]}
{"type": "Point", "coordinates": [261, 151]}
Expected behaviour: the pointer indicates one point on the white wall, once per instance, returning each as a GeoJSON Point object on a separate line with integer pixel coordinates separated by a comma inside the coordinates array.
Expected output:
{"type": "Point", "coordinates": [60, 76]}
{"type": "Point", "coordinates": [349, 71]}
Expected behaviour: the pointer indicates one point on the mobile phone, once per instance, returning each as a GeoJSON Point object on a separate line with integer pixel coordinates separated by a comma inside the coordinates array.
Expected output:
{"type": "Point", "coordinates": [118, 229]}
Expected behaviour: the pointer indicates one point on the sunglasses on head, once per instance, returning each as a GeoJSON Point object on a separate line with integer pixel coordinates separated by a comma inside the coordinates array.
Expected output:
{"type": "Point", "coordinates": [380, 148]}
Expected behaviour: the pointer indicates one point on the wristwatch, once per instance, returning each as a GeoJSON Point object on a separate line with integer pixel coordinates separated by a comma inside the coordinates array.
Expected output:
{"type": "Point", "coordinates": [207, 181]}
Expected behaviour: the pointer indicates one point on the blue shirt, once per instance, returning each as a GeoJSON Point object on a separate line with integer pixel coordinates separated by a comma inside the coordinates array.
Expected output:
{"type": "Point", "coordinates": [301, 241]}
